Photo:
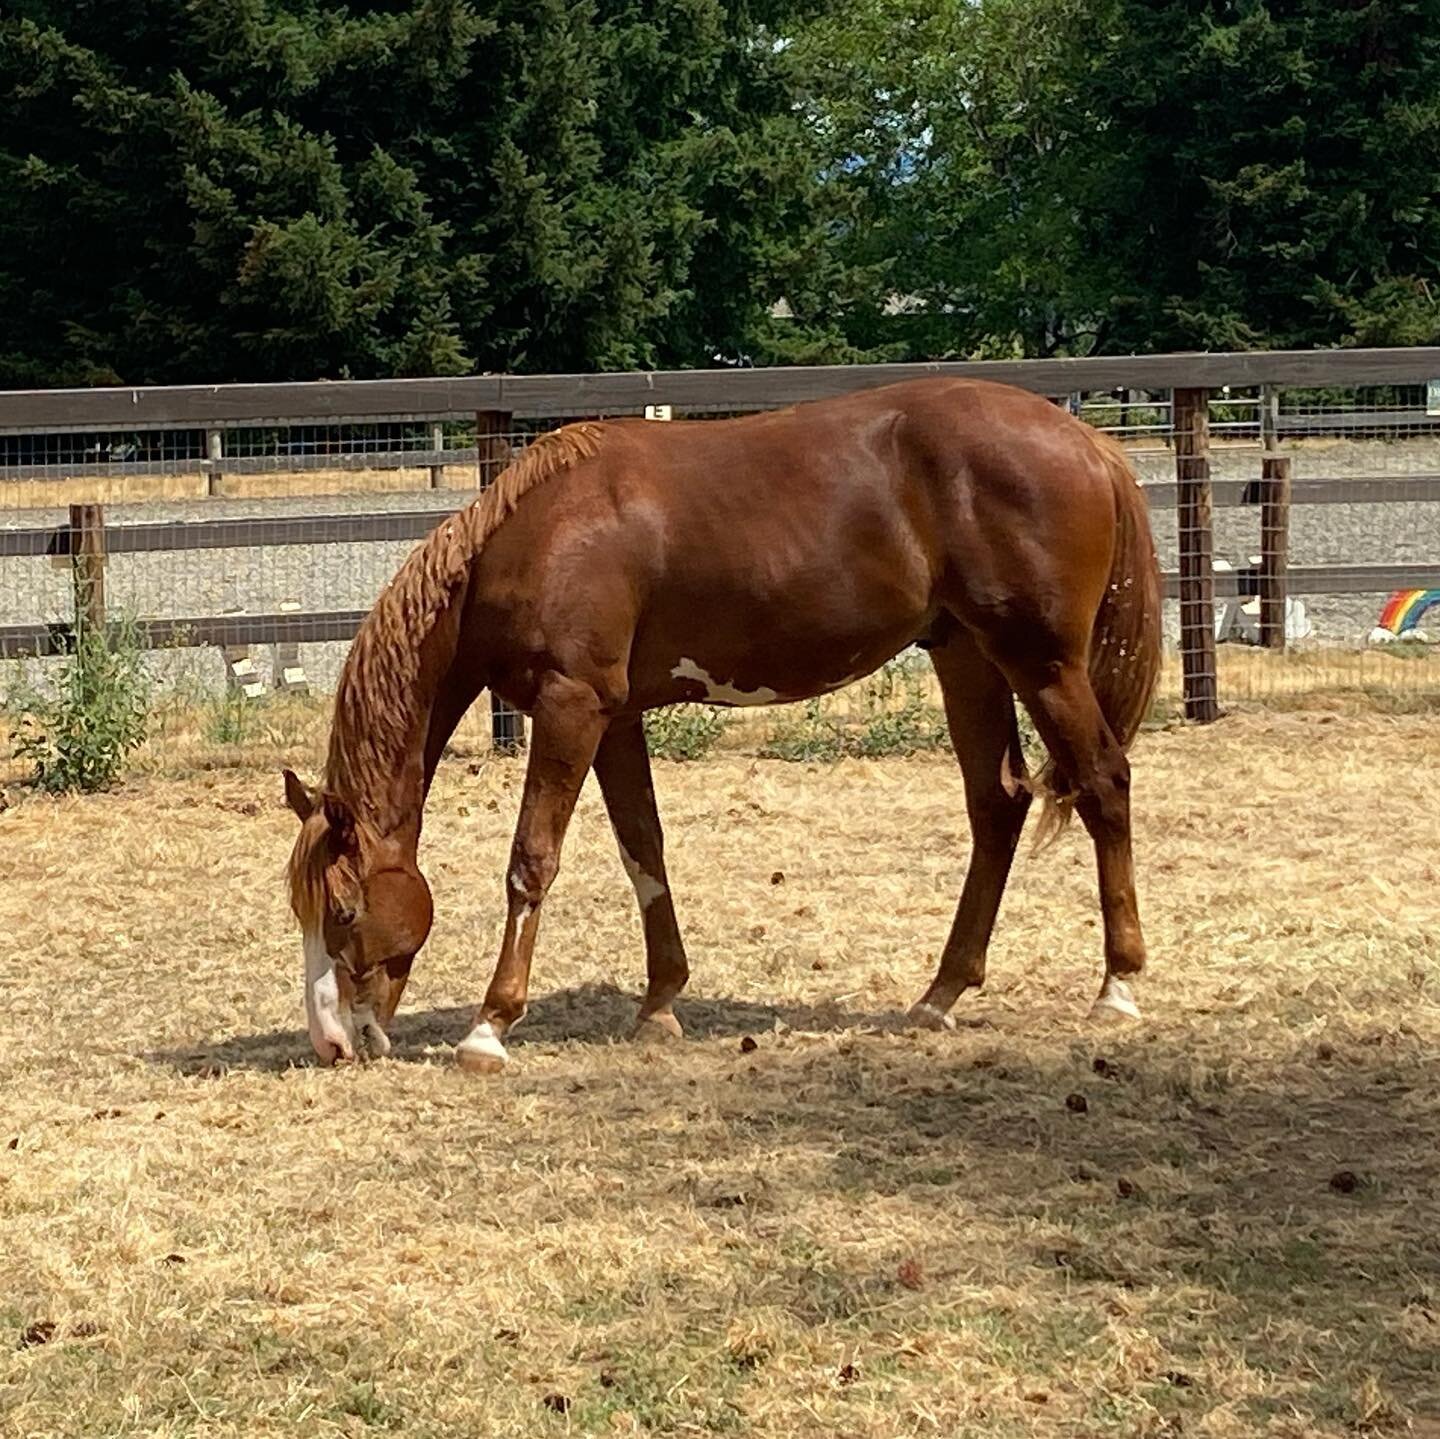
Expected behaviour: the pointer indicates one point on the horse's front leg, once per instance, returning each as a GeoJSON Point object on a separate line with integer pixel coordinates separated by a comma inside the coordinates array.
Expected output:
{"type": "Point", "coordinates": [622, 765]}
{"type": "Point", "coordinates": [568, 724]}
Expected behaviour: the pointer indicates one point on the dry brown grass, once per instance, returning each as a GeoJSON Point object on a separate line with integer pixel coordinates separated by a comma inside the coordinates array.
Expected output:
{"type": "Point", "coordinates": [846, 1230]}
{"type": "Point", "coordinates": [1384, 679]}
{"type": "Point", "coordinates": [145, 489]}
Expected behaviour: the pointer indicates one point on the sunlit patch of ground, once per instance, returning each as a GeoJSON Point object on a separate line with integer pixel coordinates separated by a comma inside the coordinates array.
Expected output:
{"type": "Point", "coordinates": [1220, 1223]}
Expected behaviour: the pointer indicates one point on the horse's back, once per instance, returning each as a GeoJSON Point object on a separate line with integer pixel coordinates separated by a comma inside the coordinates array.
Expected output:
{"type": "Point", "coordinates": [811, 543]}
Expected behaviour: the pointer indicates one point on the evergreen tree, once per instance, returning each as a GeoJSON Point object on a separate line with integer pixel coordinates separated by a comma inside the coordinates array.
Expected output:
{"type": "Point", "coordinates": [1069, 176]}
{"type": "Point", "coordinates": [1269, 169]}
{"type": "Point", "coordinates": [248, 189]}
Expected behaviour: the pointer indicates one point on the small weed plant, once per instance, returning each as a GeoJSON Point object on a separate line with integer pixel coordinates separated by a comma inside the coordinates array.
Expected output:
{"type": "Point", "coordinates": [897, 716]}
{"type": "Point", "coordinates": [683, 732]}
{"type": "Point", "coordinates": [79, 733]}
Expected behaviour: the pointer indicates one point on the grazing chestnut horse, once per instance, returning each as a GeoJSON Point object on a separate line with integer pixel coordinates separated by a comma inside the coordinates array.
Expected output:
{"type": "Point", "coordinates": [618, 566]}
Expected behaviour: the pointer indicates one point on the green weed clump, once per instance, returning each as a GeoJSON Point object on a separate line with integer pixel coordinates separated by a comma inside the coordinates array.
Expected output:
{"type": "Point", "coordinates": [896, 716]}
{"type": "Point", "coordinates": [79, 734]}
{"type": "Point", "coordinates": [683, 732]}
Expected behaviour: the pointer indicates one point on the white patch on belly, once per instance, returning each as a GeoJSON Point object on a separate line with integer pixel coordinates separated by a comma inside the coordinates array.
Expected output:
{"type": "Point", "coordinates": [329, 1021]}
{"type": "Point", "coordinates": [647, 888]}
{"type": "Point", "coordinates": [722, 694]}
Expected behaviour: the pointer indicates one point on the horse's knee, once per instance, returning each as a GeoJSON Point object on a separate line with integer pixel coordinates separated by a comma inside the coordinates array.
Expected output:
{"type": "Point", "coordinates": [532, 872]}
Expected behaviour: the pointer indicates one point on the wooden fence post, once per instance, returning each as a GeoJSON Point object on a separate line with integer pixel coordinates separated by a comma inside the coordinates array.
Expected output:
{"type": "Point", "coordinates": [492, 444]}
{"type": "Point", "coordinates": [1269, 417]}
{"type": "Point", "coordinates": [1191, 422]}
{"type": "Point", "coordinates": [437, 443]}
{"type": "Point", "coordinates": [87, 566]}
{"type": "Point", "coordinates": [215, 452]}
{"type": "Point", "coordinates": [1274, 548]}
{"type": "Point", "coordinates": [492, 454]}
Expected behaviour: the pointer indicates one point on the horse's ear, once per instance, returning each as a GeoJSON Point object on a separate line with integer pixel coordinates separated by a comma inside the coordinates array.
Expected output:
{"type": "Point", "coordinates": [341, 822]}
{"type": "Point", "coordinates": [298, 797]}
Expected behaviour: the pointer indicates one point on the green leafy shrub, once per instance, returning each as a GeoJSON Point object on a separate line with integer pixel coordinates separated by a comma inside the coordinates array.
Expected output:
{"type": "Point", "coordinates": [814, 735]}
{"type": "Point", "coordinates": [683, 732]}
{"type": "Point", "coordinates": [897, 717]}
{"type": "Point", "coordinates": [78, 736]}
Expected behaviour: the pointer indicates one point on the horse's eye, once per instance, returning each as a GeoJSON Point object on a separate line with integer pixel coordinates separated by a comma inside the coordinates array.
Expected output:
{"type": "Point", "coordinates": [344, 915]}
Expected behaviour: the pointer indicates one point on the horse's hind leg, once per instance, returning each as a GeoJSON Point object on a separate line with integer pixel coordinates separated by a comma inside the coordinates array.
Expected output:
{"type": "Point", "coordinates": [1068, 716]}
{"type": "Point", "coordinates": [622, 765]}
{"type": "Point", "coordinates": [980, 710]}
{"type": "Point", "coordinates": [568, 724]}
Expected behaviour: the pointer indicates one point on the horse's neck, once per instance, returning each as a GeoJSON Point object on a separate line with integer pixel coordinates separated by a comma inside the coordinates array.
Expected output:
{"type": "Point", "coordinates": [453, 682]}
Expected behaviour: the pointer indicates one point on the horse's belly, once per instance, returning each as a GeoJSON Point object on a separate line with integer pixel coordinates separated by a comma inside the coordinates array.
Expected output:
{"type": "Point", "coordinates": [762, 674]}
{"type": "Point", "coordinates": [792, 622]}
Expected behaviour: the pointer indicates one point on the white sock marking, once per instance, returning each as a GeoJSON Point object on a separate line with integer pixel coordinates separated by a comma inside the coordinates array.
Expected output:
{"type": "Point", "coordinates": [1115, 995]}
{"type": "Point", "coordinates": [481, 1049]}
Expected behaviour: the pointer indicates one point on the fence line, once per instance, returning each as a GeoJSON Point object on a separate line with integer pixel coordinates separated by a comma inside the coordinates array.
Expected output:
{"type": "Point", "coordinates": [1216, 410]}
{"type": "Point", "coordinates": [551, 396]}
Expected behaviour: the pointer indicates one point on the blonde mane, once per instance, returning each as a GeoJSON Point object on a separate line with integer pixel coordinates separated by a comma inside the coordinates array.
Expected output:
{"type": "Point", "coordinates": [375, 701]}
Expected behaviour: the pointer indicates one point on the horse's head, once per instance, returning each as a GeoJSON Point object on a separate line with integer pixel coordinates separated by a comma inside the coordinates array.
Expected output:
{"type": "Point", "coordinates": [364, 911]}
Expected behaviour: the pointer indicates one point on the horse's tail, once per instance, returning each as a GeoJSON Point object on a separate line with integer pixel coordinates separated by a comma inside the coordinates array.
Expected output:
{"type": "Point", "coordinates": [1125, 638]}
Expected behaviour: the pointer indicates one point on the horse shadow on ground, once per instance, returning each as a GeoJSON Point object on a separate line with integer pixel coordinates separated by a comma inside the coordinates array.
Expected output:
{"type": "Point", "coordinates": [585, 1014]}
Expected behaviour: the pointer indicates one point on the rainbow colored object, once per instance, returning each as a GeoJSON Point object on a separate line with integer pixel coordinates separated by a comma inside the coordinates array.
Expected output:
{"type": "Point", "coordinates": [1403, 609]}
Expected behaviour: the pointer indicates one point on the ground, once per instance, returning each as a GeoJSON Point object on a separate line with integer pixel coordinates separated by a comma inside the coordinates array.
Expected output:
{"type": "Point", "coordinates": [801, 1221]}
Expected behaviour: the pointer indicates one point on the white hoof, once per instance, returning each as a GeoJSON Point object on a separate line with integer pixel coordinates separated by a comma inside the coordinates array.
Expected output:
{"type": "Point", "coordinates": [927, 1016]}
{"type": "Point", "coordinates": [659, 1028]}
{"type": "Point", "coordinates": [1115, 1001]}
{"type": "Point", "coordinates": [481, 1052]}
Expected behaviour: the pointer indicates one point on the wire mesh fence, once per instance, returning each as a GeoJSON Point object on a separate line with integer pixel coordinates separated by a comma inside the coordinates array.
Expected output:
{"type": "Point", "coordinates": [1359, 526]}
{"type": "Point", "coordinates": [247, 551]}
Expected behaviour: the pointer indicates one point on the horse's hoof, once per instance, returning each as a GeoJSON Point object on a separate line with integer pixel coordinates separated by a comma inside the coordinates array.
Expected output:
{"type": "Point", "coordinates": [481, 1052]}
{"type": "Point", "coordinates": [928, 1016]}
{"type": "Point", "coordinates": [660, 1028]}
{"type": "Point", "coordinates": [1116, 1004]}
{"type": "Point", "coordinates": [372, 1041]}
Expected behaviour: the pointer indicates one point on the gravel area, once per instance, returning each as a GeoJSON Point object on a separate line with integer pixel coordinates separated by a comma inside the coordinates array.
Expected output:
{"type": "Point", "coordinates": [343, 577]}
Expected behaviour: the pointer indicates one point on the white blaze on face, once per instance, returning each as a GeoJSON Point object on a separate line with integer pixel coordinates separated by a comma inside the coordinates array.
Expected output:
{"type": "Point", "coordinates": [331, 1026]}
{"type": "Point", "coordinates": [647, 888]}
{"type": "Point", "coordinates": [722, 694]}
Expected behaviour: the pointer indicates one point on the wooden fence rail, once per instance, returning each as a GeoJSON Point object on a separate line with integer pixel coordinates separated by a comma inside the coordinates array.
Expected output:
{"type": "Point", "coordinates": [380, 526]}
{"type": "Point", "coordinates": [91, 543]}
{"type": "Point", "coordinates": [39, 638]}
{"type": "Point", "coordinates": [690, 391]}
